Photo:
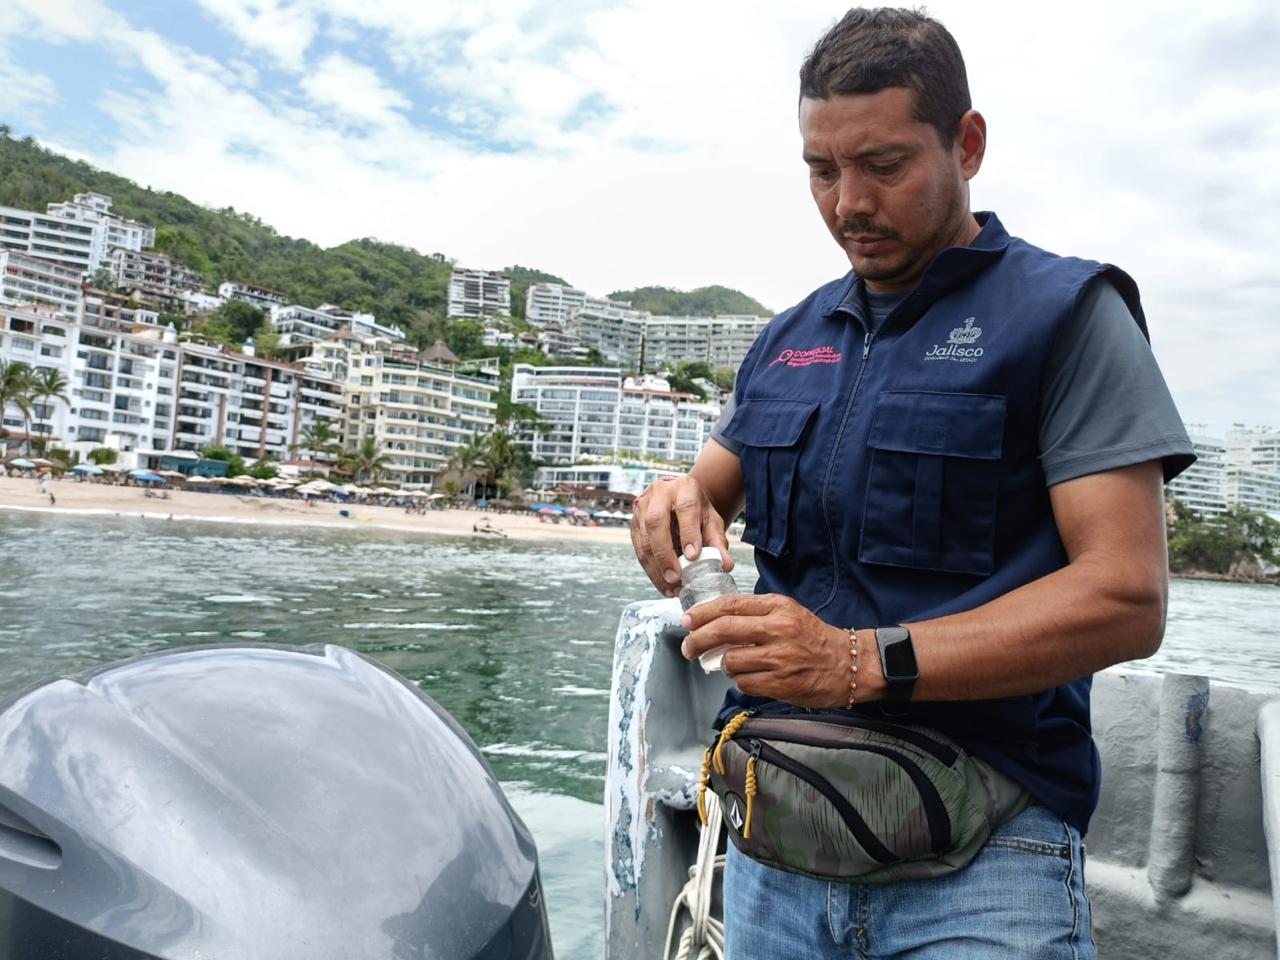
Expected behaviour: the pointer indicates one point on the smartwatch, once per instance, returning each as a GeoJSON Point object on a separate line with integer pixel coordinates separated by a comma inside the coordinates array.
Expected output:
{"type": "Point", "coordinates": [897, 662]}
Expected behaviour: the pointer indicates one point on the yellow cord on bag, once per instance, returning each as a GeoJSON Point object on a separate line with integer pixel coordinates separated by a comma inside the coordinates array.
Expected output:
{"type": "Point", "coordinates": [729, 730]}
{"type": "Point", "coordinates": [704, 781]}
{"type": "Point", "coordinates": [751, 797]}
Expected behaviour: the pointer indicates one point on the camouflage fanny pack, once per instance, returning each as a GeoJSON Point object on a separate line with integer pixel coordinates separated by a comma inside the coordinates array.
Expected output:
{"type": "Point", "coordinates": [841, 797]}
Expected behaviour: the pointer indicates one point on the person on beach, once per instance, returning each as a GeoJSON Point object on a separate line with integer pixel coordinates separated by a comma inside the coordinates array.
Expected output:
{"type": "Point", "coordinates": [952, 462]}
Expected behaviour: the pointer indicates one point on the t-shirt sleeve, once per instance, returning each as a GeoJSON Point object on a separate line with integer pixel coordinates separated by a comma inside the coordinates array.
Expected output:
{"type": "Point", "coordinates": [717, 432]}
{"type": "Point", "coordinates": [1104, 403]}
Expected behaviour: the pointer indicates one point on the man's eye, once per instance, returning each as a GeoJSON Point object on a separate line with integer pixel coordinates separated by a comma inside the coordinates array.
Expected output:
{"type": "Point", "coordinates": [885, 169]}
{"type": "Point", "coordinates": [821, 173]}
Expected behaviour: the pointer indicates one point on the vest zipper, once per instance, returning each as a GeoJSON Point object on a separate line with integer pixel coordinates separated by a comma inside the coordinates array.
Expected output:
{"type": "Point", "coordinates": [857, 826]}
{"type": "Point", "coordinates": [867, 338]}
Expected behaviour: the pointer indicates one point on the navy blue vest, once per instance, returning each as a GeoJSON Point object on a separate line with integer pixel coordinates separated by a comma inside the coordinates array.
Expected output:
{"type": "Point", "coordinates": [894, 476]}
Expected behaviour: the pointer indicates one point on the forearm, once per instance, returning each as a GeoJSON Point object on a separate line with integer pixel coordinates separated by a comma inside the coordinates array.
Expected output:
{"type": "Point", "coordinates": [1074, 622]}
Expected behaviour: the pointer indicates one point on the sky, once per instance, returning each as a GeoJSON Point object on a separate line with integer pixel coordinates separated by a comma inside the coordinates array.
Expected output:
{"type": "Point", "coordinates": [620, 144]}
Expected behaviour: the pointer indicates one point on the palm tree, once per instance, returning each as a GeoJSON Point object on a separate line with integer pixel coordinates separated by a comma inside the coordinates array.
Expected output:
{"type": "Point", "coordinates": [317, 436]}
{"type": "Point", "coordinates": [500, 458]}
{"type": "Point", "coordinates": [465, 460]}
{"type": "Point", "coordinates": [47, 384]}
{"type": "Point", "coordinates": [15, 390]}
{"type": "Point", "coordinates": [366, 459]}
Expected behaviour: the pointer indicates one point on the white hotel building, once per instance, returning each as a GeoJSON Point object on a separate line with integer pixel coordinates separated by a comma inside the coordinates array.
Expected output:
{"type": "Point", "coordinates": [255, 407]}
{"type": "Point", "coordinates": [1239, 471]}
{"type": "Point", "coordinates": [553, 303]}
{"type": "Point", "coordinates": [152, 273]}
{"type": "Point", "coordinates": [478, 294]}
{"type": "Point", "coordinates": [595, 412]}
{"type": "Point", "coordinates": [27, 279]}
{"type": "Point", "coordinates": [120, 372]}
{"type": "Point", "coordinates": [419, 412]}
{"type": "Point", "coordinates": [264, 298]}
{"type": "Point", "coordinates": [77, 234]}
{"type": "Point", "coordinates": [617, 332]}
{"type": "Point", "coordinates": [722, 342]}
{"type": "Point", "coordinates": [298, 325]}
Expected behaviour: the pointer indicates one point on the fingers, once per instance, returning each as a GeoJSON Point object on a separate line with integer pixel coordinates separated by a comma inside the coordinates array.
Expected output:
{"type": "Point", "coordinates": [726, 630]}
{"type": "Point", "coordinates": [713, 535]}
{"type": "Point", "coordinates": [641, 543]}
{"type": "Point", "coordinates": [666, 520]}
{"type": "Point", "coordinates": [737, 604]}
{"type": "Point", "coordinates": [690, 505]}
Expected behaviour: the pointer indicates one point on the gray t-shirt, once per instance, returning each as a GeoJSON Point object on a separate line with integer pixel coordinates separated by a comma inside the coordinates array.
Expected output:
{"type": "Point", "coordinates": [1103, 401]}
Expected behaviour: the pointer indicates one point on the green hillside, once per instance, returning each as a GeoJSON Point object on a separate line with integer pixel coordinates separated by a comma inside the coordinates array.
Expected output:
{"type": "Point", "coordinates": [398, 284]}
{"type": "Point", "coordinates": [702, 302]}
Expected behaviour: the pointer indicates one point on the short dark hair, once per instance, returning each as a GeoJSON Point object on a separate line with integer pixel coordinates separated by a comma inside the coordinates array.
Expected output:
{"type": "Point", "coordinates": [873, 49]}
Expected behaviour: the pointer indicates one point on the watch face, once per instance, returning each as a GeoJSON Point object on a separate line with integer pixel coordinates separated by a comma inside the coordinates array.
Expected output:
{"type": "Point", "coordinates": [897, 653]}
{"type": "Point", "coordinates": [900, 660]}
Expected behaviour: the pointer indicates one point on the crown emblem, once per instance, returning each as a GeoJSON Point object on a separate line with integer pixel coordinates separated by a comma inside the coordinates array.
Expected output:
{"type": "Point", "coordinates": [966, 334]}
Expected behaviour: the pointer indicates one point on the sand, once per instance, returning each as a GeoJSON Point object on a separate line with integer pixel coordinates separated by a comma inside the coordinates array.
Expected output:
{"type": "Point", "coordinates": [76, 498]}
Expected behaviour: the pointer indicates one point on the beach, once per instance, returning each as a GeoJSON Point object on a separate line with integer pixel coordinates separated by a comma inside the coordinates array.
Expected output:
{"type": "Point", "coordinates": [102, 499]}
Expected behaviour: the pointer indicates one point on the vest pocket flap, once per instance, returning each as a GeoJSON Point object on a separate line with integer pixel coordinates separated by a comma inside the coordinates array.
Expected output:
{"type": "Point", "coordinates": [969, 425]}
{"type": "Point", "coordinates": [770, 423]}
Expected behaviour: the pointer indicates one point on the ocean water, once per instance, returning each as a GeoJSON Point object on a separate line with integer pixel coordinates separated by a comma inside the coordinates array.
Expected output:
{"type": "Point", "coordinates": [514, 639]}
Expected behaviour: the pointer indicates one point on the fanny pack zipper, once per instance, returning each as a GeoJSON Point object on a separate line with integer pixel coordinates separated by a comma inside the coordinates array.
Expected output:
{"type": "Point", "coordinates": [935, 810]}
{"type": "Point", "coordinates": [857, 826]}
{"type": "Point", "coordinates": [938, 750]}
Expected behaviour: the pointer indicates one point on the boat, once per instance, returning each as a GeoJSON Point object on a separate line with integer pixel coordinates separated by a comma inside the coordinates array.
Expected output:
{"type": "Point", "coordinates": [255, 801]}
{"type": "Point", "coordinates": [1183, 851]}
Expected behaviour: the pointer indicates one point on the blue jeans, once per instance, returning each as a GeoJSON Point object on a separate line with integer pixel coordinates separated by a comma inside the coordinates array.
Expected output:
{"type": "Point", "coordinates": [1021, 897]}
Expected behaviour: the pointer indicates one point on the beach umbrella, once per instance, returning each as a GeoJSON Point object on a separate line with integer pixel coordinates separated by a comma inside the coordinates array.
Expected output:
{"type": "Point", "coordinates": [146, 476]}
{"type": "Point", "coordinates": [41, 462]}
{"type": "Point", "coordinates": [577, 512]}
{"type": "Point", "coordinates": [200, 480]}
{"type": "Point", "coordinates": [22, 463]}
{"type": "Point", "coordinates": [88, 469]}
{"type": "Point", "coordinates": [171, 474]}
{"type": "Point", "coordinates": [111, 468]}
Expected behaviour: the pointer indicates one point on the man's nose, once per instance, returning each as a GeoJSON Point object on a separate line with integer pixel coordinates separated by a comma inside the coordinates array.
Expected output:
{"type": "Point", "coordinates": [856, 197]}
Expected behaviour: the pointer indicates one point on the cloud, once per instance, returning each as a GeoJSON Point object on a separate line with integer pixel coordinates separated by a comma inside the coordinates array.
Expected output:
{"type": "Point", "coordinates": [282, 30]}
{"type": "Point", "coordinates": [355, 92]}
{"type": "Point", "coordinates": [622, 143]}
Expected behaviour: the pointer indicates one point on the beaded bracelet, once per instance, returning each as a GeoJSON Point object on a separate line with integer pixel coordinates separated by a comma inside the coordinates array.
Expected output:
{"type": "Point", "coordinates": [853, 666]}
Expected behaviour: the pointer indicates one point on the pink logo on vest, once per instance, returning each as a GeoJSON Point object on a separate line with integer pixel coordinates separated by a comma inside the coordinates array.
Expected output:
{"type": "Point", "coordinates": [807, 358]}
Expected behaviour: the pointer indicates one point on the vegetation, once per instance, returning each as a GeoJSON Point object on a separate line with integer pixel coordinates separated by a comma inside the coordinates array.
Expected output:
{"type": "Point", "coordinates": [702, 302]}
{"type": "Point", "coordinates": [15, 389]}
{"type": "Point", "coordinates": [103, 455]}
{"type": "Point", "coordinates": [364, 462]}
{"type": "Point", "coordinates": [1240, 543]}
{"type": "Point", "coordinates": [263, 469]}
{"type": "Point", "coordinates": [316, 437]}
{"type": "Point", "coordinates": [398, 284]}
{"type": "Point", "coordinates": [235, 462]}
{"type": "Point", "coordinates": [521, 279]}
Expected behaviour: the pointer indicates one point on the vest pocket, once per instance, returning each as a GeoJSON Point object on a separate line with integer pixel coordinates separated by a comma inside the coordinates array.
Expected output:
{"type": "Point", "coordinates": [770, 431]}
{"type": "Point", "coordinates": [933, 481]}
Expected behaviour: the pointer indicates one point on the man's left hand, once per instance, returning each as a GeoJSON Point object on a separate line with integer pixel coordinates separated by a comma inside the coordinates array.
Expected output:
{"type": "Point", "coordinates": [781, 650]}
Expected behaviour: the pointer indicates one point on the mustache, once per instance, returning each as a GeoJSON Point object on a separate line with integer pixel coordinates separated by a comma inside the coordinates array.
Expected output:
{"type": "Point", "coordinates": [866, 227]}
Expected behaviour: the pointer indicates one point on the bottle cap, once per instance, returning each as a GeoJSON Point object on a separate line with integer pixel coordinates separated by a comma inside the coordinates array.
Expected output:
{"type": "Point", "coordinates": [708, 553]}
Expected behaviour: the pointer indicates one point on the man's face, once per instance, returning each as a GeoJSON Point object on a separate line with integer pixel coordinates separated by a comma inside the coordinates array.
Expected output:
{"type": "Point", "coordinates": [891, 194]}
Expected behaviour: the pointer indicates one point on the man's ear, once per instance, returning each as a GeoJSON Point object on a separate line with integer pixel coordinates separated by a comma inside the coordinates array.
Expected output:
{"type": "Point", "coordinates": [971, 143]}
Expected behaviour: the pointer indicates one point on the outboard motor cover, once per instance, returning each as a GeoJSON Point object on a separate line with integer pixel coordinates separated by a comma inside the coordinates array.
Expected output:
{"type": "Point", "coordinates": [255, 802]}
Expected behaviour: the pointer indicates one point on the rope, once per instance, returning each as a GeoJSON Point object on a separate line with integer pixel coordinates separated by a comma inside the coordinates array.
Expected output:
{"type": "Point", "coordinates": [703, 939]}
{"type": "Point", "coordinates": [726, 733]}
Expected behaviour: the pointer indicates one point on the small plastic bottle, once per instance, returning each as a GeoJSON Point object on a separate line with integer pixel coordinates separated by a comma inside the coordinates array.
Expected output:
{"type": "Point", "coordinates": [702, 580]}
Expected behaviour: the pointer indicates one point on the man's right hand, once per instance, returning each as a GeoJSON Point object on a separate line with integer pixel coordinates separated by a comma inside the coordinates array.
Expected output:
{"type": "Point", "coordinates": [675, 514]}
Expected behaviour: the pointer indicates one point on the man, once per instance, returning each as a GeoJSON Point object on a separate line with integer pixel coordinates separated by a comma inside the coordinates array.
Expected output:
{"type": "Point", "coordinates": [956, 452]}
